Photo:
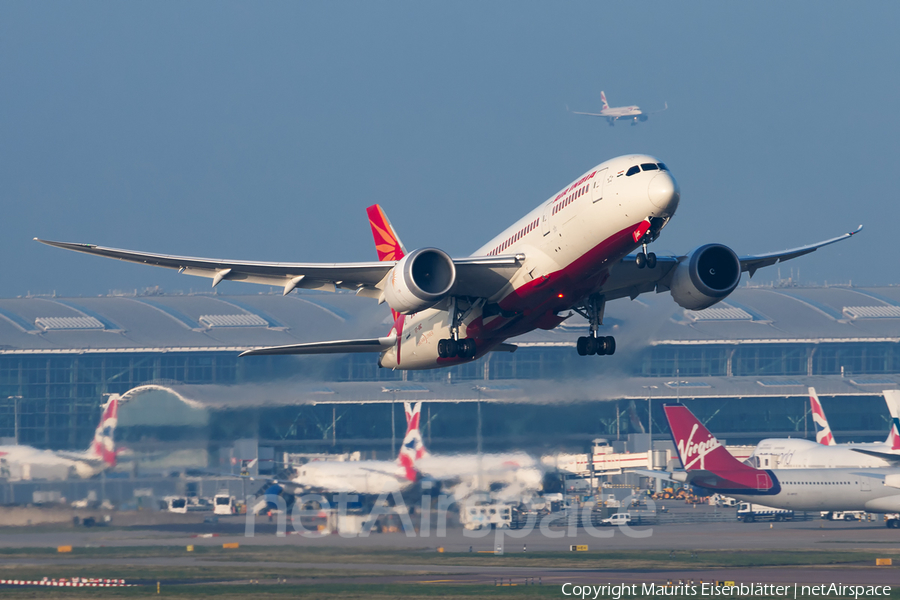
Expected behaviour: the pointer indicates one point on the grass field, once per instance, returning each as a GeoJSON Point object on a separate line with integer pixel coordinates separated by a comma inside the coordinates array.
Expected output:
{"type": "Point", "coordinates": [318, 573]}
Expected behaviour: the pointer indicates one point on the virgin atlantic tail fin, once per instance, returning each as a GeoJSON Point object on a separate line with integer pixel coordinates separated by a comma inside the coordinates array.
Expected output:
{"type": "Point", "coordinates": [823, 430]}
{"type": "Point", "coordinates": [708, 463]}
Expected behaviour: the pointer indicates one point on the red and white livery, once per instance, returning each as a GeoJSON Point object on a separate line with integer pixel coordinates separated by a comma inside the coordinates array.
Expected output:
{"type": "Point", "coordinates": [581, 248]}
{"type": "Point", "coordinates": [27, 462]}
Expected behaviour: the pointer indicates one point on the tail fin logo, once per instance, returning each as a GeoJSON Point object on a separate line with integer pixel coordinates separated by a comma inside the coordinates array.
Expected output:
{"type": "Point", "coordinates": [603, 98]}
{"type": "Point", "coordinates": [387, 244]}
{"type": "Point", "coordinates": [894, 437]}
{"type": "Point", "coordinates": [104, 445]}
{"type": "Point", "coordinates": [413, 447]}
{"type": "Point", "coordinates": [692, 452]}
{"type": "Point", "coordinates": [823, 430]}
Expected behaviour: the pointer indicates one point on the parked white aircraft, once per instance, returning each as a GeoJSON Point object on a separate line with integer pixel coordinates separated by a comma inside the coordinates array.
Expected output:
{"type": "Point", "coordinates": [614, 113]}
{"type": "Point", "coordinates": [570, 253]}
{"type": "Point", "coordinates": [789, 453]}
{"type": "Point", "coordinates": [708, 465]}
{"type": "Point", "coordinates": [26, 462]}
{"type": "Point", "coordinates": [368, 477]}
{"type": "Point", "coordinates": [464, 474]}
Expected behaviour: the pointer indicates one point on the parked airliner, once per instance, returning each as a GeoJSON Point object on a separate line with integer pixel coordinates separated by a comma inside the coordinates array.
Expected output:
{"type": "Point", "coordinates": [368, 477]}
{"type": "Point", "coordinates": [570, 254]}
{"type": "Point", "coordinates": [26, 462]}
{"type": "Point", "coordinates": [614, 113]}
{"type": "Point", "coordinates": [708, 465]}
{"type": "Point", "coordinates": [793, 453]}
{"type": "Point", "coordinates": [464, 474]}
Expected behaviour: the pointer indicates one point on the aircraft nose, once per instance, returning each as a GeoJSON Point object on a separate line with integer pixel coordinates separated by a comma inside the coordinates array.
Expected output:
{"type": "Point", "coordinates": [663, 192]}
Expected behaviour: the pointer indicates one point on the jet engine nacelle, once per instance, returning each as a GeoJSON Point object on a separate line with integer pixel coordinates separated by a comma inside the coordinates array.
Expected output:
{"type": "Point", "coordinates": [706, 276]}
{"type": "Point", "coordinates": [420, 280]}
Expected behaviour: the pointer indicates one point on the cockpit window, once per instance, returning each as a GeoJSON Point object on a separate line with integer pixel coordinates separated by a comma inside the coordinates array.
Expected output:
{"type": "Point", "coordinates": [633, 170]}
{"type": "Point", "coordinates": [649, 167]}
{"type": "Point", "coordinates": [662, 166]}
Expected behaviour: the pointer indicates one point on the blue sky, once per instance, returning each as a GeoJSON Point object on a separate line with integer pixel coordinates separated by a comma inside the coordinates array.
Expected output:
{"type": "Point", "coordinates": [263, 130]}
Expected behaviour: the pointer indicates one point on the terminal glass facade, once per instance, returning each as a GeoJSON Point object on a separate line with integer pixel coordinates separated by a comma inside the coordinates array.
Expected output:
{"type": "Point", "coordinates": [52, 400]}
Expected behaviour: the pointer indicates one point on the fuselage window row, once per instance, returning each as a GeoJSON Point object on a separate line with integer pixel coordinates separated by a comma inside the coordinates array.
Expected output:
{"type": "Point", "coordinates": [516, 237]}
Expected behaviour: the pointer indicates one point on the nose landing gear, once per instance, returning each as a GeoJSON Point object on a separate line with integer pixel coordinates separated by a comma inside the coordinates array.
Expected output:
{"type": "Point", "coordinates": [645, 259]}
{"type": "Point", "coordinates": [594, 344]}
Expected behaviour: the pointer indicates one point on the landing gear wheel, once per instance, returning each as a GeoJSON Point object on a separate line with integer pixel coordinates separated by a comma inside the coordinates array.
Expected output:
{"type": "Point", "coordinates": [600, 346]}
{"type": "Point", "coordinates": [610, 345]}
{"type": "Point", "coordinates": [442, 348]}
{"type": "Point", "coordinates": [452, 348]}
{"type": "Point", "coordinates": [651, 260]}
{"type": "Point", "coordinates": [640, 260]}
{"type": "Point", "coordinates": [467, 348]}
{"type": "Point", "coordinates": [581, 346]}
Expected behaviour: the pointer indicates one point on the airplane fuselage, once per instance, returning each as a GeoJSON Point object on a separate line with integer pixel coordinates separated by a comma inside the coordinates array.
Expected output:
{"type": "Point", "coordinates": [368, 477]}
{"type": "Point", "coordinates": [872, 490]}
{"type": "Point", "coordinates": [26, 462]}
{"type": "Point", "coordinates": [570, 243]}
{"type": "Point", "coordinates": [805, 454]}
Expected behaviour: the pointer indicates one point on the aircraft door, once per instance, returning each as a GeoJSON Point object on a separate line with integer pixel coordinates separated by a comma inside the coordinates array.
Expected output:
{"type": "Point", "coordinates": [599, 182]}
{"type": "Point", "coordinates": [545, 219]}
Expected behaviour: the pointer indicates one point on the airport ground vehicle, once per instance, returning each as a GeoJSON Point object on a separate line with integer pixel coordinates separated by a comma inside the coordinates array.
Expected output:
{"type": "Point", "coordinates": [749, 512]}
{"type": "Point", "coordinates": [223, 504]}
{"type": "Point", "coordinates": [174, 504]}
{"type": "Point", "coordinates": [496, 516]}
{"type": "Point", "coordinates": [617, 519]}
{"type": "Point", "coordinates": [892, 520]}
{"type": "Point", "coordinates": [843, 515]}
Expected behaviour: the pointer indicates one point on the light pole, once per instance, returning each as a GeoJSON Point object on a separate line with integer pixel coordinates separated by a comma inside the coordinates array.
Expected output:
{"type": "Point", "coordinates": [15, 400]}
{"type": "Point", "coordinates": [650, 412]}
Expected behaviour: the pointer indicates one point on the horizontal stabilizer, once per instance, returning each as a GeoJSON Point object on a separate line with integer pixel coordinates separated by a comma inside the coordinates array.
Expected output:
{"type": "Point", "coordinates": [505, 348]}
{"type": "Point", "coordinates": [335, 347]}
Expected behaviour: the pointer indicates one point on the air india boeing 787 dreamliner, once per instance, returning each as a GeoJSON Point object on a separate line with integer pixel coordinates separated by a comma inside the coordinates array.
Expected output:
{"type": "Point", "coordinates": [573, 252]}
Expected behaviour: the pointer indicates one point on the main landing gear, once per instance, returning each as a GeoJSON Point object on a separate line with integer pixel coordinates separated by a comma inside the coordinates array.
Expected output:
{"type": "Point", "coordinates": [592, 310]}
{"type": "Point", "coordinates": [455, 347]}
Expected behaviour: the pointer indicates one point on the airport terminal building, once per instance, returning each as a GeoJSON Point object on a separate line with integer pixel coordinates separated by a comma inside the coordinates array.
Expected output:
{"type": "Point", "coordinates": [744, 364]}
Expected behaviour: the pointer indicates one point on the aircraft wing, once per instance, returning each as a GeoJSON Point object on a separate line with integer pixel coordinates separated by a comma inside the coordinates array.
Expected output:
{"type": "Point", "coordinates": [752, 263]}
{"type": "Point", "coordinates": [335, 347]}
{"type": "Point", "coordinates": [627, 280]}
{"type": "Point", "coordinates": [890, 458]}
{"type": "Point", "coordinates": [477, 276]}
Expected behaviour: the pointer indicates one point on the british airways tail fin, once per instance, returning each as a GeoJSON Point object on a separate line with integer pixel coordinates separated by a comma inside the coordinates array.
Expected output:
{"type": "Point", "coordinates": [413, 447]}
{"type": "Point", "coordinates": [892, 397]}
{"type": "Point", "coordinates": [603, 98]}
{"type": "Point", "coordinates": [823, 430]}
{"type": "Point", "coordinates": [387, 244]}
{"type": "Point", "coordinates": [708, 463]}
{"type": "Point", "coordinates": [104, 444]}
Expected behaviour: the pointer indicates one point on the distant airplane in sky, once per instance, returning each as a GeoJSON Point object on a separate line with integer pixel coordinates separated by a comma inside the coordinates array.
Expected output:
{"type": "Point", "coordinates": [570, 254]}
{"type": "Point", "coordinates": [614, 113]}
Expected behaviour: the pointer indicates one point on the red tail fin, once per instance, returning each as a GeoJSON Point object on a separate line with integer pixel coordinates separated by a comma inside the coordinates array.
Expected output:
{"type": "Point", "coordinates": [387, 244]}
{"type": "Point", "coordinates": [413, 447]}
{"type": "Point", "coordinates": [699, 450]}
{"type": "Point", "coordinates": [823, 430]}
{"type": "Point", "coordinates": [104, 444]}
